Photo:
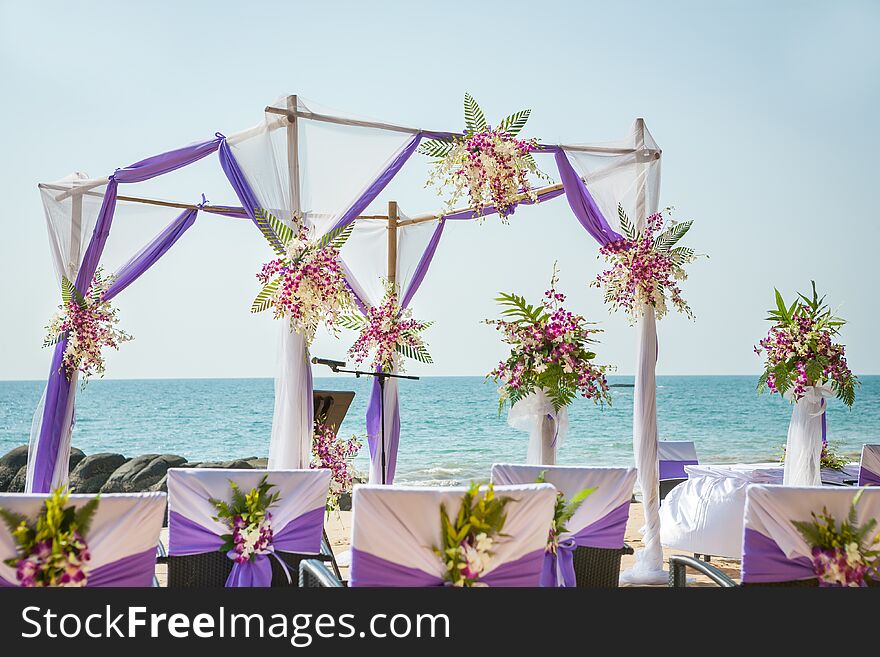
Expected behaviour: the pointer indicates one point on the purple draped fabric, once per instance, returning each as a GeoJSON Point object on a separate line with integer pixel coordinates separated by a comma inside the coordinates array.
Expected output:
{"type": "Point", "coordinates": [764, 561]}
{"type": "Point", "coordinates": [58, 390]}
{"type": "Point", "coordinates": [582, 203]}
{"type": "Point", "coordinates": [674, 469]}
{"type": "Point", "coordinates": [868, 478]}
{"type": "Point", "coordinates": [607, 533]}
{"type": "Point", "coordinates": [133, 570]}
{"type": "Point", "coordinates": [302, 535]}
{"type": "Point", "coordinates": [368, 570]}
{"type": "Point", "coordinates": [237, 179]}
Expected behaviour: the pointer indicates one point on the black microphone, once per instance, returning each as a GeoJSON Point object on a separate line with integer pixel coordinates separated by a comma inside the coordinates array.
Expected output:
{"type": "Point", "coordinates": [332, 364]}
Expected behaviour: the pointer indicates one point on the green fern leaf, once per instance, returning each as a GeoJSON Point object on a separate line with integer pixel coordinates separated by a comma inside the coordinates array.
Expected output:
{"type": "Point", "coordinates": [435, 148]}
{"type": "Point", "coordinates": [261, 218]}
{"type": "Point", "coordinates": [263, 300]}
{"type": "Point", "coordinates": [514, 123]}
{"type": "Point", "coordinates": [474, 119]}
{"type": "Point", "coordinates": [668, 238]}
{"type": "Point", "coordinates": [336, 238]}
{"type": "Point", "coordinates": [629, 230]}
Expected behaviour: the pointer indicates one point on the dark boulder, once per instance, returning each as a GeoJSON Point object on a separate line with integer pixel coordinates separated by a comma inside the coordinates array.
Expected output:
{"type": "Point", "coordinates": [259, 464]}
{"type": "Point", "coordinates": [76, 457]}
{"type": "Point", "coordinates": [18, 481]}
{"type": "Point", "coordinates": [237, 464]}
{"type": "Point", "coordinates": [141, 473]}
{"type": "Point", "coordinates": [92, 472]}
{"type": "Point", "coordinates": [10, 464]}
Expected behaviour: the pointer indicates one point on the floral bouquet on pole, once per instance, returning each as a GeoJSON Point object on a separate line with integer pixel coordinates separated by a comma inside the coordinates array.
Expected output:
{"type": "Point", "coordinates": [551, 363]}
{"type": "Point", "coordinates": [336, 454]}
{"type": "Point", "coordinates": [804, 364]}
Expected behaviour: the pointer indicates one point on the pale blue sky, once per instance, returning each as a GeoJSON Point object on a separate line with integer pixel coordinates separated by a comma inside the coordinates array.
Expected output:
{"type": "Point", "coordinates": [765, 113]}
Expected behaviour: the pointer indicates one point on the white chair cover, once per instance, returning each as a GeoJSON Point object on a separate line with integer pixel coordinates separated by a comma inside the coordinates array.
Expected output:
{"type": "Point", "coordinates": [614, 487]}
{"type": "Point", "coordinates": [869, 468]}
{"type": "Point", "coordinates": [124, 525]}
{"type": "Point", "coordinates": [402, 524]}
{"type": "Point", "coordinates": [673, 456]}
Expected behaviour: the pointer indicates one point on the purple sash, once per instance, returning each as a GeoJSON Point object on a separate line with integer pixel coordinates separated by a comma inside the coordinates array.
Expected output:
{"type": "Point", "coordinates": [675, 469]}
{"type": "Point", "coordinates": [764, 561]}
{"type": "Point", "coordinates": [368, 570]}
{"type": "Point", "coordinates": [301, 535]}
{"type": "Point", "coordinates": [607, 532]}
{"type": "Point", "coordinates": [868, 478]}
{"type": "Point", "coordinates": [133, 570]}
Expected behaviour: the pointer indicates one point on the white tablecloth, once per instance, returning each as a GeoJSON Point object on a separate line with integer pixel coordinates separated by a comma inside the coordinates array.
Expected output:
{"type": "Point", "coordinates": [704, 515]}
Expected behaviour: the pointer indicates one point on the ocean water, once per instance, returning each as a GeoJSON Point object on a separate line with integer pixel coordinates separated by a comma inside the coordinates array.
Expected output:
{"type": "Point", "coordinates": [451, 430]}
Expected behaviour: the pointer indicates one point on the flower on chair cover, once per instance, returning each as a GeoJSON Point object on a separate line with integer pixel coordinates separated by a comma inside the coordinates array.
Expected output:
{"type": "Point", "coordinates": [249, 519]}
{"type": "Point", "coordinates": [335, 454]}
{"type": "Point", "coordinates": [52, 551]}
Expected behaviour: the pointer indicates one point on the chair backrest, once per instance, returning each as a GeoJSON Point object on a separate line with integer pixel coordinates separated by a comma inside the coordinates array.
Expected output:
{"type": "Point", "coordinates": [773, 549]}
{"type": "Point", "coordinates": [122, 539]}
{"type": "Point", "coordinates": [297, 517]}
{"type": "Point", "coordinates": [600, 521]}
{"type": "Point", "coordinates": [673, 456]}
{"type": "Point", "coordinates": [396, 528]}
{"type": "Point", "coordinates": [869, 468]}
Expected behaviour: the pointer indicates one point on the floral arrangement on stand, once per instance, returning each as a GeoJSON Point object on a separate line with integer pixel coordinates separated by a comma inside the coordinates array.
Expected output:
{"type": "Point", "coordinates": [828, 458]}
{"type": "Point", "coordinates": [646, 267]}
{"type": "Point", "coordinates": [305, 283]}
{"type": "Point", "coordinates": [490, 165]}
{"type": "Point", "coordinates": [387, 333]}
{"type": "Point", "coordinates": [249, 520]}
{"type": "Point", "coordinates": [800, 350]}
{"type": "Point", "coordinates": [88, 321]}
{"type": "Point", "coordinates": [550, 351]}
{"type": "Point", "coordinates": [844, 555]}
{"type": "Point", "coordinates": [563, 511]}
{"type": "Point", "coordinates": [52, 551]}
{"type": "Point", "coordinates": [336, 454]}
{"type": "Point", "coordinates": [469, 538]}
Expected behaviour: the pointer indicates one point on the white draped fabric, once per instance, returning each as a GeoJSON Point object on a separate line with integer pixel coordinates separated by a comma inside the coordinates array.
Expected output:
{"type": "Point", "coordinates": [770, 511]}
{"type": "Point", "coordinates": [402, 524]}
{"type": "Point", "coordinates": [124, 524]}
{"type": "Point", "coordinates": [871, 459]}
{"type": "Point", "coordinates": [614, 486]}
{"type": "Point", "coordinates": [804, 445]}
{"type": "Point", "coordinates": [547, 427]}
{"type": "Point", "coordinates": [191, 489]}
{"type": "Point", "coordinates": [628, 173]}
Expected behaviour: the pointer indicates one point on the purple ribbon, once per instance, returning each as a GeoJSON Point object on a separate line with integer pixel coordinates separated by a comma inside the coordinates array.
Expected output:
{"type": "Point", "coordinates": [368, 570]}
{"type": "Point", "coordinates": [868, 478]}
{"type": "Point", "coordinates": [764, 561]}
{"type": "Point", "coordinates": [674, 469]}
{"type": "Point", "coordinates": [607, 532]}
{"type": "Point", "coordinates": [302, 535]}
{"type": "Point", "coordinates": [136, 570]}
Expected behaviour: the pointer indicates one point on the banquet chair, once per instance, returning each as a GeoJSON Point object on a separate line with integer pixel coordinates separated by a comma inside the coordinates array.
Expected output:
{"type": "Point", "coordinates": [396, 528]}
{"type": "Point", "coordinates": [594, 541]}
{"type": "Point", "coordinates": [194, 556]}
{"type": "Point", "coordinates": [122, 538]}
{"type": "Point", "coordinates": [673, 455]}
{"type": "Point", "coordinates": [774, 552]}
{"type": "Point", "coordinates": [869, 466]}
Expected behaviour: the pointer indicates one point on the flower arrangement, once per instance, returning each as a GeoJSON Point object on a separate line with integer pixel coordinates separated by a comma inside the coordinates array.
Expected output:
{"type": "Point", "coordinates": [305, 283]}
{"type": "Point", "coordinates": [52, 551]}
{"type": "Point", "coordinates": [489, 164]}
{"type": "Point", "coordinates": [249, 520]}
{"type": "Point", "coordinates": [550, 352]}
{"type": "Point", "coordinates": [335, 454]}
{"type": "Point", "coordinates": [388, 332]}
{"type": "Point", "coordinates": [88, 321]}
{"type": "Point", "coordinates": [563, 511]}
{"type": "Point", "coordinates": [469, 538]}
{"type": "Point", "coordinates": [646, 267]}
{"type": "Point", "coordinates": [828, 458]}
{"type": "Point", "coordinates": [843, 555]}
{"type": "Point", "coordinates": [800, 350]}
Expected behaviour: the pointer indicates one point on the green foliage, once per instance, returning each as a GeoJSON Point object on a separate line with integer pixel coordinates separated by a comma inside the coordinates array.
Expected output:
{"type": "Point", "coordinates": [264, 299]}
{"type": "Point", "coordinates": [518, 310]}
{"type": "Point", "coordinates": [824, 532]}
{"type": "Point", "coordinates": [628, 228]}
{"type": "Point", "coordinates": [563, 511]}
{"type": "Point", "coordinates": [670, 237]}
{"type": "Point", "coordinates": [353, 322]}
{"type": "Point", "coordinates": [251, 507]}
{"type": "Point", "coordinates": [474, 119]}
{"type": "Point", "coordinates": [267, 222]}
{"type": "Point", "coordinates": [436, 148]}
{"type": "Point", "coordinates": [514, 123]}
{"type": "Point", "coordinates": [417, 352]}
{"type": "Point", "coordinates": [336, 238]}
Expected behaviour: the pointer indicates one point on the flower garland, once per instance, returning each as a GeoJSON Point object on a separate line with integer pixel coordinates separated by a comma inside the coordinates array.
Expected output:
{"type": "Point", "coordinates": [563, 511]}
{"type": "Point", "coordinates": [828, 458]}
{"type": "Point", "coordinates": [646, 267]}
{"type": "Point", "coordinates": [306, 283]}
{"type": "Point", "coordinates": [51, 551]}
{"type": "Point", "coordinates": [550, 351]}
{"type": "Point", "coordinates": [800, 351]}
{"type": "Point", "coordinates": [389, 333]}
{"type": "Point", "coordinates": [336, 454]}
{"type": "Point", "coordinates": [249, 519]}
{"type": "Point", "coordinates": [489, 164]}
{"type": "Point", "coordinates": [88, 321]}
{"type": "Point", "coordinates": [844, 555]}
{"type": "Point", "coordinates": [469, 539]}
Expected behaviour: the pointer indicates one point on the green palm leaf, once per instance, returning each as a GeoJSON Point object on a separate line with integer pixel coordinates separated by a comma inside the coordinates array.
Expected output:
{"type": "Point", "coordinates": [474, 119]}
{"type": "Point", "coordinates": [629, 230]}
{"type": "Point", "coordinates": [69, 291]}
{"type": "Point", "coordinates": [514, 123]}
{"type": "Point", "coordinates": [435, 148]}
{"type": "Point", "coordinates": [668, 238]}
{"type": "Point", "coordinates": [416, 352]}
{"type": "Point", "coordinates": [337, 237]}
{"type": "Point", "coordinates": [282, 230]}
{"type": "Point", "coordinates": [353, 322]}
{"type": "Point", "coordinates": [681, 254]}
{"type": "Point", "coordinates": [264, 223]}
{"type": "Point", "coordinates": [263, 300]}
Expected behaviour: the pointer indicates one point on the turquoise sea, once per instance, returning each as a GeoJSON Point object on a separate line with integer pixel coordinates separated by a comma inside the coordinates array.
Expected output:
{"type": "Point", "coordinates": [451, 430]}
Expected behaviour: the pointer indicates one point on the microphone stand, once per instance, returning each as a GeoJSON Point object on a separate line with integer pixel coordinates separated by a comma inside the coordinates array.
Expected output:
{"type": "Point", "coordinates": [382, 377]}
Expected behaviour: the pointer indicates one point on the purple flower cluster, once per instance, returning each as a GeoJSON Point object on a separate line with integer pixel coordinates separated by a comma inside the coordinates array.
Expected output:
{"type": "Point", "coordinates": [335, 454]}
{"type": "Point", "coordinates": [840, 566]}
{"type": "Point", "coordinates": [250, 538]}
{"type": "Point", "coordinates": [59, 562]}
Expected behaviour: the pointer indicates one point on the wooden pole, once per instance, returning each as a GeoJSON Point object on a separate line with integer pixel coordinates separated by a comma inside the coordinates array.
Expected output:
{"type": "Point", "coordinates": [641, 205]}
{"type": "Point", "coordinates": [392, 242]}
{"type": "Point", "coordinates": [293, 155]}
